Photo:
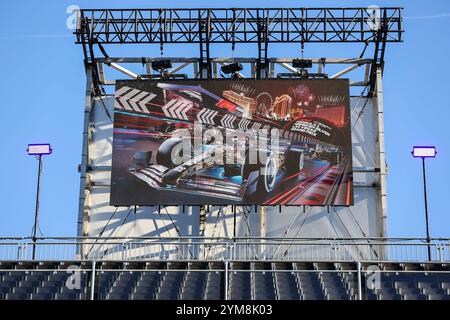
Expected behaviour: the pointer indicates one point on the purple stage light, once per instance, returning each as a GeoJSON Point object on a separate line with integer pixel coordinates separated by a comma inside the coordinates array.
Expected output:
{"type": "Point", "coordinates": [39, 149]}
{"type": "Point", "coordinates": [424, 152]}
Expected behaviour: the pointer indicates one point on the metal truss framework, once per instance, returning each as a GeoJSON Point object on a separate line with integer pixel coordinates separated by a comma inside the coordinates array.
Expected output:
{"type": "Point", "coordinates": [249, 64]}
{"type": "Point", "coordinates": [238, 25]}
{"type": "Point", "coordinates": [99, 28]}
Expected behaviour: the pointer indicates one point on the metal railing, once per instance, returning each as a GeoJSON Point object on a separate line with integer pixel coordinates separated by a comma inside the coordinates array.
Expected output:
{"type": "Point", "coordinates": [248, 249]}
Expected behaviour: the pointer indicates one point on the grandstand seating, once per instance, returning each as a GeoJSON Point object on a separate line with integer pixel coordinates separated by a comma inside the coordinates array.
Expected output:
{"type": "Point", "coordinates": [189, 280]}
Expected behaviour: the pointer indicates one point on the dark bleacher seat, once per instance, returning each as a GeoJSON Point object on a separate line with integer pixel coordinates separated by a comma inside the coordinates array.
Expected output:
{"type": "Point", "coordinates": [161, 279]}
{"type": "Point", "coordinates": [333, 286]}
{"type": "Point", "coordinates": [133, 265]}
{"type": "Point", "coordinates": [67, 296]}
{"type": "Point", "coordinates": [41, 296]}
{"type": "Point", "coordinates": [8, 265]}
{"type": "Point", "coordinates": [304, 266]}
{"type": "Point", "coordinates": [437, 266]}
{"type": "Point", "coordinates": [8, 284]}
{"type": "Point", "coordinates": [386, 292]}
{"type": "Point", "coordinates": [215, 282]}
{"type": "Point", "coordinates": [14, 276]}
{"type": "Point", "coordinates": [171, 281]}
{"type": "Point", "coordinates": [385, 289]}
{"type": "Point", "coordinates": [409, 290]}
{"type": "Point", "coordinates": [37, 276]}
{"type": "Point", "coordinates": [386, 266]}
{"type": "Point", "coordinates": [213, 289]}
{"type": "Point", "coordinates": [433, 290]}
{"type": "Point", "coordinates": [170, 287]}
{"type": "Point", "coordinates": [388, 295]}
{"type": "Point", "coordinates": [156, 265]}
{"type": "Point", "coordinates": [123, 286]}
{"type": "Point", "coordinates": [177, 265]}
{"type": "Point", "coordinates": [413, 296]}
{"type": "Point", "coordinates": [25, 290]}
{"type": "Point", "coordinates": [240, 282]}
{"type": "Point", "coordinates": [350, 280]}
{"type": "Point", "coordinates": [214, 285]}
{"type": "Point", "coordinates": [4, 289]}
{"type": "Point", "coordinates": [54, 284]}
{"type": "Point", "coordinates": [412, 266]}
{"type": "Point", "coordinates": [371, 296]}
{"type": "Point", "coordinates": [310, 286]}
{"type": "Point", "coordinates": [195, 282]}
{"type": "Point", "coordinates": [286, 282]}
{"type": "Point", "coordinates": [445, 285]}
{"type": "Point", "coordinates": [147, 285]}
{"type": "Point", "coordinates": [109, 265]}
{"type": "Point", "coordinates": [17, 296]}
{"type": "Point", "coordinates": [27, 286]}
{"type": "Point", "coordinates": [194, 286]}
{"type": "Point", "coordinates": [60, 276]}
{"type": "Point", "coordinates": [25, 265]}
{"type": "Point", "coordinates": [309, 282]}
{"type": "Point", "coordinates": [105, 281]}
{"type": "Point", "coordinates": [346, 266]}
{"type": "Point", "coordinates": [324, 266]}
{"type": "Point", "coordinates": [47, 265]}
{"type": "Point", "coordinates": [47, 289]}
{"type": "Point", "coordinates": [263, 282]}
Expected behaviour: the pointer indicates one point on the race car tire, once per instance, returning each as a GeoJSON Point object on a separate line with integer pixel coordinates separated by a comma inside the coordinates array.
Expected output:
{"type": "Point", "coordinates": [295, 160]}
{"type": "Point", "coordinates": [165, 151]}
{"type": "Point", "coordinates": [267, 178]}
{"type": "Point", "coordinates": [248, 167]}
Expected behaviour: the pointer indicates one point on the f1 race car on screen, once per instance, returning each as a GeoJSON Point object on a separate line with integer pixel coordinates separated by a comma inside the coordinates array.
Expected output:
{"type": "Point", "coordinates": [266, 160]}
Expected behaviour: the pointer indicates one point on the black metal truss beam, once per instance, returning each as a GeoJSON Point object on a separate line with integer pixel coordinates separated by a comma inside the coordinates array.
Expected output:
{"type": "Point", "coordinates": [236, 25]}
{"type": "Point", "coordinates": [378, 59]}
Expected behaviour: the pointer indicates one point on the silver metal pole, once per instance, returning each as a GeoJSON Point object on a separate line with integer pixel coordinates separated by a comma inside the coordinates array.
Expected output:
{"type": "Point", "coordinates": [262, 230]}
{"type": "Point", "coordinates": [426, 207]}
{"type": "Point", "coordinates": [36, 213]}
{"type": "Point", "coordinates": [358, 266]}
{"type": "Point", "coordinates": [226, 279]}
{"type": "Point", "coordinates": [383, 211]}
{"type": "Point", "coordinates": [93, 280]}
{"type": "Point", "coordinates": [84, 159]}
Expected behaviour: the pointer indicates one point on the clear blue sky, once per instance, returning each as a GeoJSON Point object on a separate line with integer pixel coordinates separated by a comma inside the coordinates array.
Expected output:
{"type": "Point", "coordinates": [42, 89]}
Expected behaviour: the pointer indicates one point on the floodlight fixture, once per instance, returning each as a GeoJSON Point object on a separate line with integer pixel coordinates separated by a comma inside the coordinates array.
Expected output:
{"type": "Point", "coordinates": [424, 152]}
{"type": "Point", "coordinates": [161, 65]}
{"type": "Point", "coordinates": [39, 149]}
{"type": "Point", "coordinates": [302, 63]}
{"type": "Point", "coordinates": [234, 67]}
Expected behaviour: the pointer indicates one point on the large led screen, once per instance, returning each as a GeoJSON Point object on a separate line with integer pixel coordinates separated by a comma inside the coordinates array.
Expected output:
{"type": "Point", "coordinates": [232, 141]}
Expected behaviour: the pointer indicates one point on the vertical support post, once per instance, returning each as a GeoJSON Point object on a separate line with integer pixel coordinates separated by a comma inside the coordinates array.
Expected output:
{"type": "Point", "coordinates": [262, 229]}
{"type": "Point", "coordinates": [261, 64]}
{"type": "Point", "coordinates": [262, 221]}
{"type": "Point", "coordinates": [202, 220]}
{"type": "Point", "coordinates": [84, 158]}
{"type": "Point", "coordinates": [358, 266]}
{"type": "Point", "coordinates": [36, 212]}
{"type": "Point", "coordinates": [382, 199]}
{"type": "Point", "coordinates": [426, 208]}
{"type": "Point", "coordinates": [93, 281]}
{"type": "Point", "coordinates": [233, 207]}
{"type": "Point", "coordinates": [226, 279]}
{"type": "Point", "coordinates": [204, 36]}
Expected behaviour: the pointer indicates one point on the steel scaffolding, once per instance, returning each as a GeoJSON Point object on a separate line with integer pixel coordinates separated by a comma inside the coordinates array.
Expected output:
{"type": "Point", "coordinates": [99, 30]}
